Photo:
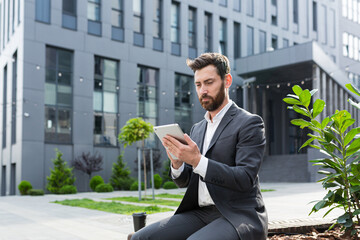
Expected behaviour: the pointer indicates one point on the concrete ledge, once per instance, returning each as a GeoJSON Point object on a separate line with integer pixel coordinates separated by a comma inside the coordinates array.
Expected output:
{"type": "Point", "coordinates": [297, 226]}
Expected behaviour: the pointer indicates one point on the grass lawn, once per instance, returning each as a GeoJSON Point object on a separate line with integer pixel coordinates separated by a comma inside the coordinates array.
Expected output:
{"type": "Point", "coordinates": [147, 200]}
{"type": "Point", "coordinates": [113, 207]}
{"type": "Point", "coordinates": [168, 195]}
{"type": "Point", "coordinates": [267, 190]}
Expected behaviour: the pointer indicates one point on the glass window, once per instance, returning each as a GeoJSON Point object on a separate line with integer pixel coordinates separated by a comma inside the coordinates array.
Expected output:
{"type": "Point", "coordinates": [58, 95]}
{"type": "Point", "coordinates": [138, 16]}
{"type": "Point", "coordinates": [117, 13]}
{"type": "Point", "coordinates": [262, 10]}
{"type": "Point", "coordinates": [207, 32]}
{"type": "Point", "coordinates": [345, 44]}
{"type": "Point", "coordinates": [250, 41]}
{"type": "Point", "coordinates": [157, 19]}
{"type": "Point", "coordinates": [147, 94]}
{"type": "Point", "coordinates": [14, 99]}
{"type": "Point", "coordinates": [183, 101]}
{"type": "Point", "coordinates": [192, 27]}
{"type": "Point", "coordinates": [262, 42]}
{"type": "Point", "coordinates": [344, 8]}
{"type": "Point", "coordinates": [4, 107]}
{"type": "Point", "coordinates": [223, 3]}
{"type": "Point", "coordinates": [237, 40]}
{"type": "Point", "coordinates": [175, 25]}
{"type": "Point", "coordinates": [250, 7]}
{"type": "Point", "coordinates": [285, 42]}
{"type": "Point", "coordinates": [274, 42]}
{"type": "Point", "coordinates": [237, 5]}
{"type": "Point", "coordinates": [222, 36]}
{"type": "Point", "coordinates": [351, 46]}
{"type": "Point", "coordinates": [69, 14]}
{"type": "Point", "coordinates": [350, 9]}
{"type": "Point", "coordinates": [355, 10]}
{"type": "Point", "coordinates": [315, 27]}
{"type": "Point", "coordinates": [105, 101]}
{"type": "Point", "coordinates": [295, 11]}
{"type": "Point", "coordinates": [42, 11]}
{"type": "Point", "coordinates": [356, 48]}
{"type": "Point", "coordinates": [94, 10]}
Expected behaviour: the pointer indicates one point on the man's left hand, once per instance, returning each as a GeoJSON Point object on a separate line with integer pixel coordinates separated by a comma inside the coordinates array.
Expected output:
{"type": "Point", "coordinates": [188, 153]}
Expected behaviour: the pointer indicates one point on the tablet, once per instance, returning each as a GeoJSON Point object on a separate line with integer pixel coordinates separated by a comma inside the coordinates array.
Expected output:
{"type": "Point", "coordinates": [173, 130]}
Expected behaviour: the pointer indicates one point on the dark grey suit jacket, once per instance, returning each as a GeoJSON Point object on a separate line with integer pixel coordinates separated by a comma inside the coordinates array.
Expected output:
{"type": "Point", "coordinates": [235, 154]}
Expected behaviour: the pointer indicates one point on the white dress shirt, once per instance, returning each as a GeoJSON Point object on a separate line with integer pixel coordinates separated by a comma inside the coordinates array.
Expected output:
{"type": "Point", "coordinates": [204, 195]}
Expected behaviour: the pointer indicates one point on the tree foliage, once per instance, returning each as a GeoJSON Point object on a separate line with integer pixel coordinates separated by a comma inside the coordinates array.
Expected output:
{"type": "Point", "coordinates": [135, 129]}
{"type": "Point", "coordinates": [120, 178]}
{"type": "Point", "coordinates": [337, 138]}
{"type": "Point", "coordinates": [60, 176]}
{"type": "Point", "coordinates": [88, 163]}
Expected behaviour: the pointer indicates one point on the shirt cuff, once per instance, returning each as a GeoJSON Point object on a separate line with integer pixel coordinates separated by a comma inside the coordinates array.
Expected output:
{"type": "Point", "coordinates": [175, 173]}
{"type": "Point", "coordinates": [201, 168]}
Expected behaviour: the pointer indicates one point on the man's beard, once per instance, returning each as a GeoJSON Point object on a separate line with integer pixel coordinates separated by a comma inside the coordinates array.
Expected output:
{"type": "Point", "coordinates": [213, 103]}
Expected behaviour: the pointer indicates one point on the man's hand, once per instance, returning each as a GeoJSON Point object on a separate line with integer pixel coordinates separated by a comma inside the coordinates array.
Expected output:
{"type": "Point", "coordinates": [188, 153]}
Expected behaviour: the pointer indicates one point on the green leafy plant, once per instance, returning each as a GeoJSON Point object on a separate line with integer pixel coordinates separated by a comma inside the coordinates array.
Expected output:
{"type": "Point", "coordinates": [60, 176]}
{"type": "Point", "coordinates": [24, 186]}
{"type": "Point", "coordinates": [68, 189]}
{"type": "Point", "coordinates": [157, 181]}
{"type": "Point", "coordinates": [120, 178]}
{"type": "Point", "coordinates": [35, 192]}
{"type": "Point", "coordinates": [104, 187]}
{"type": "Point", "coordinates": [135, 186]}
{"type": "Point", "coordinates": [333, 137]}
{"type": "Point", "coordinates": [169, 185]}
{"type": "Point", "coordinates": [95, 181]}
{"type": "Point", "coordinates": [136, 129]}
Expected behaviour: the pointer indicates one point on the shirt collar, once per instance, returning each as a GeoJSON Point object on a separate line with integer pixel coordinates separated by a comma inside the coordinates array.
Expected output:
{"type": "Point", "coordinates": [220, 114]}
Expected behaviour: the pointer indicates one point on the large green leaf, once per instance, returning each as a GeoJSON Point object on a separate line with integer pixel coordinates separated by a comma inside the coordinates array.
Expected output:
{"type": "Point", "coordinates": [353, 147]}
{"type": "Point", "coordinates": [325, 122]}
{"type": "Point", "coordinates": [354, 189]}
{"type": "Point", "coordinates": [307, 143]}
{"type": "Point", "coordinates": [297, 90]}
{"type": "Point", "coordinates": [352, 89]}
{"type": "Point", "coordinates": [318, 107]}
{"type": "Point", "coordinates": [305, 98]}
{"type": "Point", "coordinates": [356, 212]}
{"type": "Point", "coordinates": [350, 135]}
{"type": "Point", "coordinates": [301, 110]}
{"type": "Point", "coordinates": [347, 123]}
{"type": "Point", "coordinates": [292, 101]}
{"type": "Point", "coordinates": [300, 122]}
{"type": "Point", "coordinates": [319, 205]}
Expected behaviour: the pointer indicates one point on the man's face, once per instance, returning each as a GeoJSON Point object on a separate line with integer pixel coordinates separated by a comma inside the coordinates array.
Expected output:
{"type": "Point", "coordinates": [210, 88]}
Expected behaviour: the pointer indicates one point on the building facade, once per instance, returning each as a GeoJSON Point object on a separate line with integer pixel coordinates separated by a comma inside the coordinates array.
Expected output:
{"type": "Point", "coordinates": [74, 71]}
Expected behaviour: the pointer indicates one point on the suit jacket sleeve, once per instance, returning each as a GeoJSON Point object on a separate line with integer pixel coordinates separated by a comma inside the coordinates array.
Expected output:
{"type": "Point", "coordinates": [239, 173]}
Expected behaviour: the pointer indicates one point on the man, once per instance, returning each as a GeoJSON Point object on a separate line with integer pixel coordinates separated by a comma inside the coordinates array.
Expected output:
{"type": "Point", "coordinates": [219, 165]}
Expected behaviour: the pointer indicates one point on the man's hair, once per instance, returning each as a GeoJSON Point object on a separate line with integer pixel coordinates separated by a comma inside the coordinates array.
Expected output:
{"type": "Point", "coordinates": [221, 62]}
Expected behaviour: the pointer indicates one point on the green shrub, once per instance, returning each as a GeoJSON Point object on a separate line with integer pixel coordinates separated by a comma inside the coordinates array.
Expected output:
{"type": "Point", "coordinates": [134, 186]}
{"type": "Point", "coordinates": [125, 183]}
{"type": "Point", "coordinates": [24, 187]}
{"type": "Point", "coordinates": [96, 180]}
{"type": "Point", "coordinates": [157, 181]}
{"type": "Point", "coordinates": [104, 187]}
{"type": "Point", "coordinates": [68, 189]}
{"type": "Point", "coordinates": [169, 185]}
{"type": "Point", "coordinates": [120, 178]}
{"type": "Point", "coordinates": [165, 173]}
{"type": "Point", "coordinates": [60, 176]}
{"type": "Point", "coordinates": [36, 192]}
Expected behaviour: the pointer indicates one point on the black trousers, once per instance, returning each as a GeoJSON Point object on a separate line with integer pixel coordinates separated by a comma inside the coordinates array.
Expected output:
{"type": "Point", "coordinates": [205, 223]}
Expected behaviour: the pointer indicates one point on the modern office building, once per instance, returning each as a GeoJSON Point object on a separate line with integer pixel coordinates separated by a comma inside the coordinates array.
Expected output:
{"type": "Point", "coordinates": [74, 71]}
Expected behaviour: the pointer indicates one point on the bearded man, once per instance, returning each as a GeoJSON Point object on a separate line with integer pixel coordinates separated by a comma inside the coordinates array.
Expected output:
{"type": "Point", "coordinates": [219, 165]}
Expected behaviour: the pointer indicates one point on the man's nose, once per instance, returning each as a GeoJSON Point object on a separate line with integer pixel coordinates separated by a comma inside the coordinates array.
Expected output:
{"type": "Point", "coordinates": [203, 90]}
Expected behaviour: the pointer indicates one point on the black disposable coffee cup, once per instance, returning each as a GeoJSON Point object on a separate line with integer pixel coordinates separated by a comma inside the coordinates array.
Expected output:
{"type": "Point", "coordinates": [139, 220]}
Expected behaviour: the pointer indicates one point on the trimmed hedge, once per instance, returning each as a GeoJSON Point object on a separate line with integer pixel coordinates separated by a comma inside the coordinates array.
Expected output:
{"type": "Point", "coordinates": [36, 192]}
{"type": "Point", "coordinates": [134, 186]}
{"type": "Point", "coordinates": [24, 186]}
{"type": "Point", "coordinates": [68, 189]}
{"type": "Point", "coordinates": [96, 180]}
{"type": "Point", "coordinates": [169, 185]}
{"type": "Point", "coordinates": [104, 187]}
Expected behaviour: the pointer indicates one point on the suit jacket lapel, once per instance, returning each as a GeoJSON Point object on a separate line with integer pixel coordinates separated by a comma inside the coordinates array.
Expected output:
{"type": "Point", "coordinates": [200, 136]}
{"type": "Point", "coordinates": [229, 115]}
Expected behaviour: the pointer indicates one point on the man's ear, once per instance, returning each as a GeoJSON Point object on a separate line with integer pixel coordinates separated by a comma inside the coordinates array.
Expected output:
{"type": "Point", "coordinates": [228, 80]}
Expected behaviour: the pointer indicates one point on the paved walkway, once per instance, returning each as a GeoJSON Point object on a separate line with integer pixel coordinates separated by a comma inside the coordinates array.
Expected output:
{"type": "Point", "coordinates": [35, 217]}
